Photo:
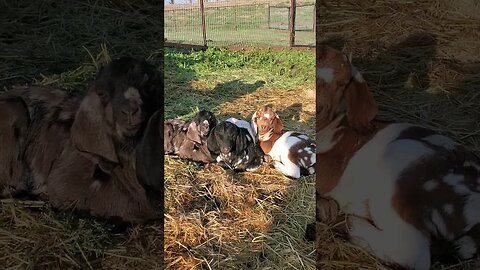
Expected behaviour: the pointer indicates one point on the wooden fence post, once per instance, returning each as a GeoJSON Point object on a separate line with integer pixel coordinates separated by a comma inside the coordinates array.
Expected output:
{"type": "Point", "coordinates": [268, 15]}
{"type": "Point", "coordinates": [292, 22]}
{"type": "Point", "coordinates": [204, 28]}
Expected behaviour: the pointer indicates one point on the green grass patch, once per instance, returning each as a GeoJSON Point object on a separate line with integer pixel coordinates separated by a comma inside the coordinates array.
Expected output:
{"type": "Point", "coordinates": [209, 78]}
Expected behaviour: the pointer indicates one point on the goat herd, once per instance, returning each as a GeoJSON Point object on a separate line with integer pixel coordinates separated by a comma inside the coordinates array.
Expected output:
{"type": "Point", "coordinates": [100, 152]}
{"type": "Point", "coordinates": [240, 146]}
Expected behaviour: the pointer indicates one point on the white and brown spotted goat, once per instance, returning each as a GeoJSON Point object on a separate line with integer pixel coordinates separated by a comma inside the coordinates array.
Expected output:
{"type": "Point", "coordinates": [293, 153]}
{"type": "Point", "coordinates": [404, 188]}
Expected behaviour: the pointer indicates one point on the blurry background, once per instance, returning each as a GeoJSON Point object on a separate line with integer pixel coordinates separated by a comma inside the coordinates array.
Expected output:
{"type": "Point", "coordinates": [239, 22]}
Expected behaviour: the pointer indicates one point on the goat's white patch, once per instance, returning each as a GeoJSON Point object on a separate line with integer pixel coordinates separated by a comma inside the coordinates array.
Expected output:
{"type": "Point", "coordinates": [356, 74]}
{"type": "Point", "coordinates": [448, 208]}
{"type": "Point", "coordinates": [441, 140]}
{"type": "Point", "coordinates": [325, 136]}
{"type": "Point", "coordinates": [300, 150]}
{"type": "Point", "coordinates": [379, 163]}
{"type": "Point", "coordinates": [288, 168]}
{"type": "Point", "coordinates": [64, 115]}
{"type": "Point", "coordinates": [400, 243]}
{"type": "Point", "coordinates": [471, 164]}
{"type": "Point", "coordinates": [455, 181]}
{"type": "Point", "coordinates": [440, 224]}
{"type": "Point", "coordinates": [133, 94]}
{"type": "Point", "coordinates": [311, 170]}
{"type": "Point", "coordinates": [266, 115]}
{"type": "Point", "coordinates": [466, 247]}
{"type": "Point", "coordinates": [243, 124]}
{"type": "Point", "coordinates": [325, 74]}
{"type": "Point", "coordinates": [205, 122]}
{"type": "Point", "coordinates": [470, 210]}
{"type": "Point", "coordinates": [430, 185]}
{"type": "Point", "coordinates": [302, 162]}
{"type": "Point", "coordinates": [96, 185]}
{"type": "Point", "coordinates": [303, 137]}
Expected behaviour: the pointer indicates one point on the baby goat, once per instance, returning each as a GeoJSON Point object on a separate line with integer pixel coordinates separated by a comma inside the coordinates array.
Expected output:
{"type": "Point", "coordinates": [233, 144]}
{"type": "Point", "coordinates": [404, 188]}
{"type": "Point", "coordinates": [189, 139]}
{"type": "Point", "coordinates": [293, 153]}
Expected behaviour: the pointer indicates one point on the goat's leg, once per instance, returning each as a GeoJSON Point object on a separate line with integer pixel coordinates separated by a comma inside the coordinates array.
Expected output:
{"type": "Point", "coordinates": [288, 168]}
{"type": "Point", "coordinates": [14, 122]}
{"type": "Point", "coordinates": [400, 244]}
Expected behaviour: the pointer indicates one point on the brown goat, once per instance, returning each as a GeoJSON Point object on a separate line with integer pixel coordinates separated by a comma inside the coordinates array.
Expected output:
{"type": "Point", "coordinates": [80, 152]}
{"type": "Point", "coordinates": [405, 189]}
{"type": "Point", "coordinates": [188, 140]}
{"type": "Point", "coordinates": [293, 153]}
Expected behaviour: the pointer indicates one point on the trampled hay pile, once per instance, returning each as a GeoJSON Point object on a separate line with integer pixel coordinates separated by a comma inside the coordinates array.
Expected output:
{"type": "Point", "coordinates": [422, 61]}
{"type": "Point", "coordinates": [216, 219]}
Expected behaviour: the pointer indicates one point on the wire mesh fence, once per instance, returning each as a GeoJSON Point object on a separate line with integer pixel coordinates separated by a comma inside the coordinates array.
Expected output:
{"type": "Point", "coordinates": [231, 23]}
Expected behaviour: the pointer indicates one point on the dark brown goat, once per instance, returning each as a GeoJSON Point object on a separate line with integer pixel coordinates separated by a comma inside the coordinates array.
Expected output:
{"type": "Point", "coordinates": [81, 152]}
{"type": "Point", "coordinates": [188, 140]}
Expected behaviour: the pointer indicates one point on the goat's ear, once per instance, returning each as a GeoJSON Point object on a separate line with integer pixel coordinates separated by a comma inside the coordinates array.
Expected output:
{"type": "Point", "coordinates": [212, 143]}
{"type": "Point", "coordinates": [91, 132]}
{"type": "Point", "coordinates": [241, 142]}
{"type": "Point", "coordinates": [149, 159]}
{"type": "Point", "coordinates": [193, 134]}
{"type": "Point", "coordinates": [254, 123]}
{"type": "Point", "coordinates": [361, 106]}
{"type": "Point", "coordinates": [277, 125]}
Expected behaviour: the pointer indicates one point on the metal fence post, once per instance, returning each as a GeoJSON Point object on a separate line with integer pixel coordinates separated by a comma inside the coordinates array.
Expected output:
{"type": "Point", "coordinates": [292, 22]}
{"type": "Point", "coordinates": [204, 28]}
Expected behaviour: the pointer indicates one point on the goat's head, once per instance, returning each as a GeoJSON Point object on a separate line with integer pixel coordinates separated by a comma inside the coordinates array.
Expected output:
{"type": "Point", "coordinates": [225, 139]}
{"type": "Point", "coordinates": [266, 122]}
{"type": "Point", "coordinates": [116, 109]}
{"type": "Point", "coordinates": [201, 125]}
{"type": "Point", "coordinates": [342, 89]}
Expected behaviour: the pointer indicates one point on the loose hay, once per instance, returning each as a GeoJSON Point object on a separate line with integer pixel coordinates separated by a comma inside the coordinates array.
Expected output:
{"type": "Point", "coordinates": [216, 219]}
{"type": "Point", "coordinates": [421, 60]}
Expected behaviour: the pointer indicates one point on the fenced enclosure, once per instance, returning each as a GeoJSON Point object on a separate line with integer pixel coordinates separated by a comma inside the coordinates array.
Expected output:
{"type": "Point", "coordinates": [229, 24]}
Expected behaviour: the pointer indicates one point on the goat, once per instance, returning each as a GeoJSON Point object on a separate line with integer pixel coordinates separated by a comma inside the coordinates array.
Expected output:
{"type": "Point", "coordinates": [233, 144]}
{"type": "Point", "coordinates": [188, 140]}
{"type": "Point", "coordinates": [293, 153]}
{"type": "Point", "coordinates": [79, 151]}
{"type": "Point", "coordinates": [404, 188]}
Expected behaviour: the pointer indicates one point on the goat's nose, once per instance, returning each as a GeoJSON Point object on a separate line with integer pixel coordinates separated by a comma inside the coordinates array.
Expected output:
{"type": "Point", "coordinates": [131, 112]}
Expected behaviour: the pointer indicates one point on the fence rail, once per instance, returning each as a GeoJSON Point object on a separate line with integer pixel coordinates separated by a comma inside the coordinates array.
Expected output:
{"type": "Point", "coordinates": [241, 25]}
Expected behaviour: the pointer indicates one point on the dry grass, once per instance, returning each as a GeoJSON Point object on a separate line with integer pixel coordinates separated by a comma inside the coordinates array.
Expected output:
{"type": "Point", "coordinates": [421, 59]}
{"type": "Point", "coordinates": [62, 43]}
{"type": "Point", "coordinates": [216, 219]}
